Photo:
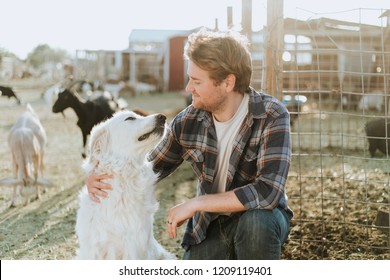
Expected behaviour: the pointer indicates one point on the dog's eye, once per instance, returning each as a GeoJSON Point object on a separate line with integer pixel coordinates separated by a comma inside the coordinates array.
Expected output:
{"type": "Point", "coordinates": [130, 119]}
{"type": "Point", "coordinates": [143, 137]}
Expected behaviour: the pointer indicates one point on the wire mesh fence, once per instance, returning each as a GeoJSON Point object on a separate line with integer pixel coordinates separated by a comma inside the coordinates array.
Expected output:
{"type": "Point", "coordinates": [336, 86]}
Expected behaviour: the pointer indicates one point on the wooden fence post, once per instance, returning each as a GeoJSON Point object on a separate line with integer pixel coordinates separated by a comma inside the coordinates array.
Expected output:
{"type": "Point", "coordinates": [273, 79]}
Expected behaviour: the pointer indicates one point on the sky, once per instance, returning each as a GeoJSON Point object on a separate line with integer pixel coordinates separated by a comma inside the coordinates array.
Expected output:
{"type": "Point", "coordinates": [107, 24]}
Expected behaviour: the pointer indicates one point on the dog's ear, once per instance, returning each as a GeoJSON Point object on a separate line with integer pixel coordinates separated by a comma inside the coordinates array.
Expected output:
{"type": "Point", "coordinates": [100, 142]}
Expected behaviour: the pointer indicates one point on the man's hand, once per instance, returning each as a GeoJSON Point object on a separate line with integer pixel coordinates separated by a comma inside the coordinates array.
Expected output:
{"type": "Point", "coordinates": [178, 215]}
{"type": "Point", "coordinates": [96, 187]}
{"type": "Point", "coordinates": [213, 203]}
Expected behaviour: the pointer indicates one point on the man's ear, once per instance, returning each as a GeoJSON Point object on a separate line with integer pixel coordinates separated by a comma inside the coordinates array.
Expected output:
{"type": "Point", "coordinates": [230, 82]}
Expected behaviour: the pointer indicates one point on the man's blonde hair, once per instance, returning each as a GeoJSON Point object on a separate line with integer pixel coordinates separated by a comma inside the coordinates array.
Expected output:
{"type": "Point", "coordinates": [221, 54]}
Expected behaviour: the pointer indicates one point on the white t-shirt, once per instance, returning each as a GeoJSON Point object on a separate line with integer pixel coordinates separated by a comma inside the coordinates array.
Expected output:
{"type": "Point", "coordinates": [226, 132]}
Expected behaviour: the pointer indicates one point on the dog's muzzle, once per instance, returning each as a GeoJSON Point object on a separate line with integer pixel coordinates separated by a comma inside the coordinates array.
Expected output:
{"type": "Point", "coordinates": [158, 129]}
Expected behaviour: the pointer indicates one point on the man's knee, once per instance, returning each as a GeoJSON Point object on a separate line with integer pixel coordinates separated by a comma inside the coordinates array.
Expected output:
{"type": "Point", "coordinates": [263, 224]}
{"type": "Point", "coordinates": [260, 234]}
{"type": "Point", "coordinates": [256, 222]}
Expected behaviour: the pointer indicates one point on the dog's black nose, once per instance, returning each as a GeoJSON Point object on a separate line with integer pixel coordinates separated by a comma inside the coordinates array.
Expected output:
{"type": "Point", "coordinates": [161, 118]}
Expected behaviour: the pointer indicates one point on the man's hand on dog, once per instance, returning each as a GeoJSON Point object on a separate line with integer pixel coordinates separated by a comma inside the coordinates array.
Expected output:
{"type": "Point", "coordinates": [96, 187]}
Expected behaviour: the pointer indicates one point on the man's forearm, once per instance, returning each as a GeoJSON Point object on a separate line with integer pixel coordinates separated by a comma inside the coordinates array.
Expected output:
{"type": "Point", "coordinates": [218, 203]}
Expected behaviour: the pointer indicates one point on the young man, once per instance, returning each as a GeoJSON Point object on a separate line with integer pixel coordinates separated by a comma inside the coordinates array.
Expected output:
{"type": "Point", "coordinates": [238, 143]}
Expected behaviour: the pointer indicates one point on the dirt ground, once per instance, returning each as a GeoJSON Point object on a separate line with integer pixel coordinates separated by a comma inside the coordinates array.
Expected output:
{"type": "Point", "coordinates": [44, 229]}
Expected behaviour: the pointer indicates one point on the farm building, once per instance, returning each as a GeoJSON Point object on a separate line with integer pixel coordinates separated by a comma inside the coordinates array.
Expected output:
{"type": "Point", "coordinates": [11, 67]}
{"type": "Point", "coordinates": [331, 56]}
{"type": "Point", "coordinates": [98, 65]}
{"type": "Point", "coordinates": [154, 57]}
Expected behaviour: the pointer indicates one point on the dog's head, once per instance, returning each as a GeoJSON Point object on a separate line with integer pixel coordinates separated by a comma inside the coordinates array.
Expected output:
{"type": "Point", "coordinates": [126, 134]}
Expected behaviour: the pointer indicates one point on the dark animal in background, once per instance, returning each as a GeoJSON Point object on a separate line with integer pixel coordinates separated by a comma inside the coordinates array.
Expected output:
{"type": "Point", "coordinates": [89, 112]}
{"type": "Point", "coordinates": [377, 139]}
{"type": "Point", "coordinates": [7, 91]}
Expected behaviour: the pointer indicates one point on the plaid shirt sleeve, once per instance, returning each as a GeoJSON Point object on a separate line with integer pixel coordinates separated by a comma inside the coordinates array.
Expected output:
{"type": "Point", "coordinates": [267, 191]}
{"type": "Point", "coordinates": [167, 155]}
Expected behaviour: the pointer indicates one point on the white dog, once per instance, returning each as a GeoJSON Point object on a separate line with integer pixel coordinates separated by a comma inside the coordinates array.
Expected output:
{"type": "Point", "coordinates": [121, 225]}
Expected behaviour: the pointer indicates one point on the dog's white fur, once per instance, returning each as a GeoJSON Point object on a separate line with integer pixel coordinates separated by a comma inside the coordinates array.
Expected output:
{"type": "Point", "coordinates": [121, 225]}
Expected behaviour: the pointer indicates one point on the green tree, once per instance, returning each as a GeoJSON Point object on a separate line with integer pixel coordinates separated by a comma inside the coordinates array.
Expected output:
{"type": "Point", "coordinates": [43, 54]}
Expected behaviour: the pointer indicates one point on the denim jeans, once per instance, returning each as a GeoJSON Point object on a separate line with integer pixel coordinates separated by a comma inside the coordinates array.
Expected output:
{"type": "Point", "coordinates": [255, 235]}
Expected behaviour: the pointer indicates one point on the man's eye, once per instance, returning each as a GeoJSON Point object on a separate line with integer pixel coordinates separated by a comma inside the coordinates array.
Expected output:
{"type": "Point", "coordinates": [130, 119]}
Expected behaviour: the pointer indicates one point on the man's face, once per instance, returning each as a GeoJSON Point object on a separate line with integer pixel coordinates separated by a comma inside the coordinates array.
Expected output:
{"type": "Point", "coordinates": [206, 94]}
